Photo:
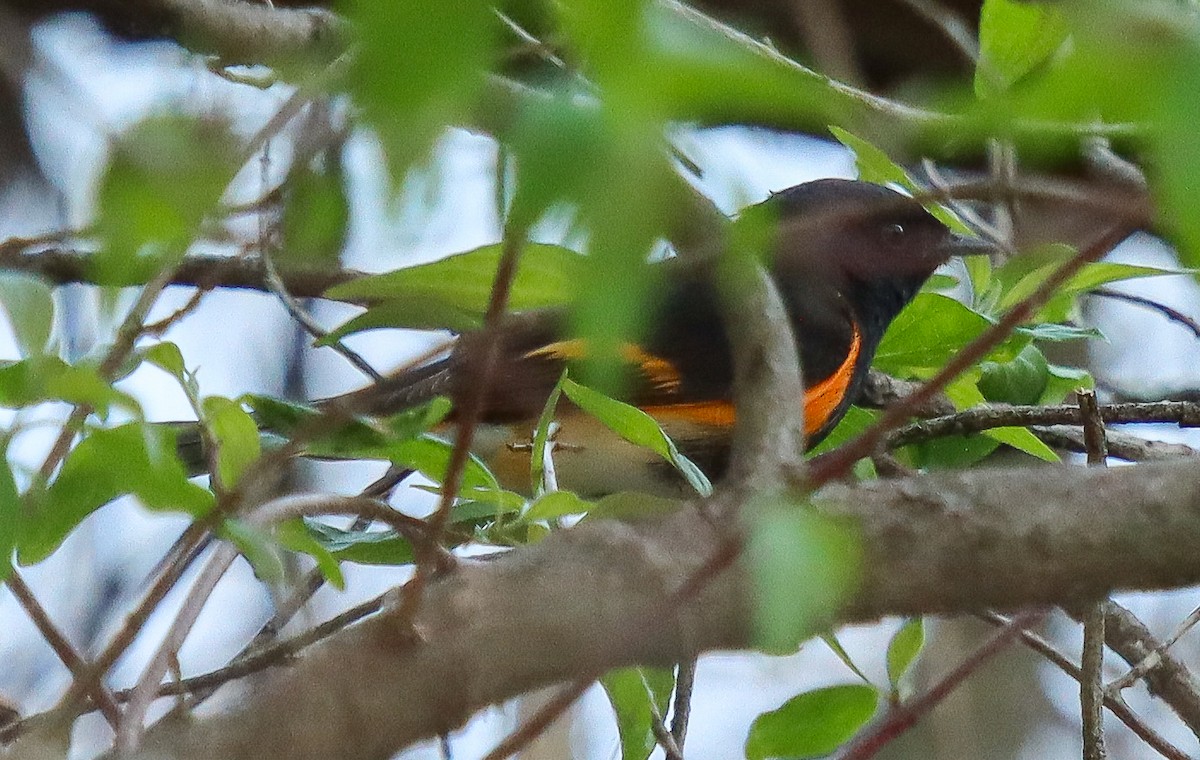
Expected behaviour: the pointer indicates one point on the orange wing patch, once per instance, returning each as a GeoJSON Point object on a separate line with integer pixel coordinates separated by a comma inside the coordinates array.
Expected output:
{"type": "Point", "coordinates": [660, 372]}
{"type": "Point", "coordinates": [822, 399]}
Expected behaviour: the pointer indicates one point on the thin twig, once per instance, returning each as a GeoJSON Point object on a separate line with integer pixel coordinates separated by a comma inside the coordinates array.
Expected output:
{"type": "Point", "coordinates": [1175, 315]}
{"type": "Point", "coordinates": [63, 648]}
{"type": "Point", "coordinates": [1182, 413]}
{"type": "Point", "coordinates": [536, 724]}
{"type": "Point", "coordinates": [1114, 703]}
{"type": "Point", "coordinates": [1130, 448]}
{"type": "Point", "coordinates": [904, 716]}
{"type": "Point", "coordinates": [685, 680]}
{"type": "Point", "coordinates": [1151, 661]}
{"type": "Point", "coordinates": [1091, 662]}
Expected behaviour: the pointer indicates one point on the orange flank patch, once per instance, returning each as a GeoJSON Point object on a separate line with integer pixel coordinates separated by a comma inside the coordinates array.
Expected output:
{"type": "Point", "coordinates": [822, 399]}
{"type": "Point", "coordinates": [660, 372]}
{"type": "Point", "coordinates": [709, 413]}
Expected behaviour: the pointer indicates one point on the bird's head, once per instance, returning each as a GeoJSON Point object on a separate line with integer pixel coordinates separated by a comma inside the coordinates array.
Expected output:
{"type": "Point", "coordinates": [876, 246]}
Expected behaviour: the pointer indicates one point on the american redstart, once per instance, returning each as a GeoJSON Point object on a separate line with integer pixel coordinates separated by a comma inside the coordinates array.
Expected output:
{"type": "Point", "coordinates": [847, 256]}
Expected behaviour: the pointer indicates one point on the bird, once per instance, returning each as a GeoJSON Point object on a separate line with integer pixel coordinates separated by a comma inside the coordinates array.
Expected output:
{"type": "Point", "coordinates": [846, 256]}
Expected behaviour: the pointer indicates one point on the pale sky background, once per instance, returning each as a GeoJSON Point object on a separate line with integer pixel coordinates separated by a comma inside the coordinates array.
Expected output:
{"type": "Point", "coordinates": [92, 89]}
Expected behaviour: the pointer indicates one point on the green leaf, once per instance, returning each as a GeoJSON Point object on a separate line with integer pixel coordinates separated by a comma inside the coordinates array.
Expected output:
{"type": "Point", "coordinates": [236, 436]}
{"type": "Point", "coordinates": [167, 357]}
{"type": "Point", "coordinates": [259, 548]}
{"type": "Point", "coordinates": [430, 456]}
{"type": "Point", "coordinates": [631, 506]}
{"type": "Point", "coordinates": [813, 724]}
{"type": "Point", "coordinates": [855, 422]}
{"type": "Point", "coordinates": [48, 378]}
{"type": "Point", "coordinates": [363, 547]}
{"type": "Point", "coordinates": [541, 435]}
{"type": "Point", "coordinates": [295, 536]}
{"type": "Point", "coordinates": [1015, 38]}
{"type": "Point", "coordinates": [966, 394]}
{"type": "Point", "coordinates": [875, 166]}
{"type": "Point", "coordinates": [136, 458]}
{"type": "Point", "coordinates": [926, 335]}
{"type": "Point", "coordinates": [29, 302]}
{"type": "Point", "coordinates": [164, 177]}
{"type": "Point", "coordinates": [637, 427]}
{"type": "Point", "coordinates": [556, 504]}
{"type": "Point", "coordinates": [1020, 381]}
{"type": "Point", "coordinates": [418, 67]}
{"type": "Point", "coordinates": [1058, 333]}
{"type": "Point", "coordinates": [1063, 380]}
{"type": "Point", "coordinates": [636, 694]}
{"type": "Point", "coordinates": [840, 652]}
{"type": "Point", "coordinates": [316, 214]}
{"type": "Point", "coordinates": [790, 548]}
{"type": "Point", "coordinates": [902, 650]}
{"type": "Point", "coordinates": [10, 515]}
{"type": "Point", "coordinates": [453, 292]}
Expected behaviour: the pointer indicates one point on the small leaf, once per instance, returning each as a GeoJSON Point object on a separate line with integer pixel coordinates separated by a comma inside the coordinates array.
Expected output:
{"type": "Point", "coordinates": [1015, 38]}
{"type": "Point", "coordinates": [48, 378]}
{"type": "Point", "coordinates": [792, 547]}
{"type": "Point", "coordinates": [637, 427]}
{"type": "Point", "coordinates": [541, 435]}
{"type": "Point", "coordinates": [1020, 381]}
{"type": "Point", "coordinates": [136, 458]}
{"type": "Point", "coordinates": [813, 724]}
{"type": "Point", "coordinates": [10, 515]}
{"type": "Point", "coordinates": [363, 547]}
{"type": "Point", "coordinates": [259, 548]}
{"type": "Point", "coordinates": [636, 694]}
{"type": "Point", "coordinates": [902, 650]}
{"type": "Point", "coordinates": [840, 652]}
{"type": "Point", "coordinates": [236, 436]}
{"type": "Point", "coordinates": [295, 536]}
{"type": "Point", "coordinates": [29, 303]}
{"type": "Point", "coordinates": [556, 504]}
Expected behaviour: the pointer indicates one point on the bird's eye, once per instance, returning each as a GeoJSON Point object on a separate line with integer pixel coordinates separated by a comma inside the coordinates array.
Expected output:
{"type": "Point", "coordinates": [893, 233]}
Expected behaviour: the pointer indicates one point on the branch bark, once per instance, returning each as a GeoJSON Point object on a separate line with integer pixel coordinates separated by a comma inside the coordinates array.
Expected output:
{"type": "Point", "coordinates": [943, 544]}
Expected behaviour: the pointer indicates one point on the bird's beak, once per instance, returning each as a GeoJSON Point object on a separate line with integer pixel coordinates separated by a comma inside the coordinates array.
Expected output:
{"type": "Point", "coordinates": [958, 244]}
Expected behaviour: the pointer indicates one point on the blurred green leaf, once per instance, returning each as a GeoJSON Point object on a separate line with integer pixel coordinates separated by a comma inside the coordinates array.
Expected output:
{"type": "Point", "coordinates": [259, 548]}
{"type": "Point", "coordinates": [855, 422]}
{"type": "Point", "coordinates": [295, 536]}
{"type": "Point", "coordinates": [453, 292]}
{"type": "Point", "coordinates": [29, 302]}
{"type": "Point", "coordinates": [316, 214]}
{"type": "Point", "coordinates": [632, 506]}
{"type": "Point", "coordinates": [236, 436]}
{"type": "Point", "coordinates": [1015, 39]}
{"type": "Point", "coordinates": [418, 67]}
{"type": "Point", "coordinates": [790, 548]}
{"type": "Point", "coordinates": [1057, 333]}
{"type": "Point", "coordinates": [48, 378]}
{"type": "Point", "coordinates": [556, 504]}
{"type": "Point", "coordinates": [902, 650]}
{"type": "Point", "coordinates": [10, 515]}
{"type": "Point", "coordinates": [636, 694]}
{"type": "Point", "coordinates": [136, 458]}
{"type": "Point", "coordinates": [638, 428]}
{"type": "Point", "coordinates": [165, 175]}
{"type": "Point", "coordinates": [965, 393]}
{"type": "Point", "coordinates": [812, 724]}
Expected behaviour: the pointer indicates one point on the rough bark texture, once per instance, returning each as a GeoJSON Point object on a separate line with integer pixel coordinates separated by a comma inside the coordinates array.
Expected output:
{"type": "Point", "coordinates": [600, 595]}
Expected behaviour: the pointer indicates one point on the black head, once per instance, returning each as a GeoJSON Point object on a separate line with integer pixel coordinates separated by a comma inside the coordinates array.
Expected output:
{"type": "Point", "coordinates": [873, 246]}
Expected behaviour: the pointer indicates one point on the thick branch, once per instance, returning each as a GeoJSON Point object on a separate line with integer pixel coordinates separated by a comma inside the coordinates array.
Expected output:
{"type": "Point", "coordinates": [594, 597]}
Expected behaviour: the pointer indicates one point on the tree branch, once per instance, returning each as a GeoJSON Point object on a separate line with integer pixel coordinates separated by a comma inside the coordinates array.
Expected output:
{"type": "Point", "coordinates": [948, 543]}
